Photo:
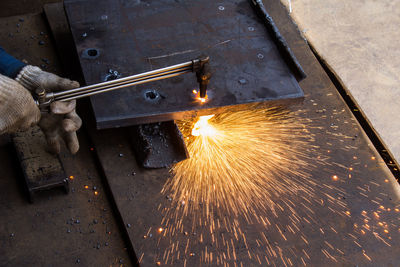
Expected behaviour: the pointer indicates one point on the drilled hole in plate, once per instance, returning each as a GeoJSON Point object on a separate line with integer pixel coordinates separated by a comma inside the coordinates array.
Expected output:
{"type": "Point", "coordinates": [92, 52]}
{"type": "Point", "coordinates": [151, 95]}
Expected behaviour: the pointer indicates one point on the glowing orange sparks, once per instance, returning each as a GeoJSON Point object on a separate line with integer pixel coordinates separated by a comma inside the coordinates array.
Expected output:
{"type": "Point", "coordinates": [197, 95]}
{"type": "Point", "coordinates": [240, 163]}
{"type": "Point", "coordinates": [203, 128]}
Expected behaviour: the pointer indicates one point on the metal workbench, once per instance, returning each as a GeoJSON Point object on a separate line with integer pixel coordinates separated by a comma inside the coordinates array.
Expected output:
{"type": "Point", "coordinates": [364, 184]}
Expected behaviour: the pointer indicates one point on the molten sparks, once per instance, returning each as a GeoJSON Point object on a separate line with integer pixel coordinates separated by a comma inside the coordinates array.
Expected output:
{"type": "Point", "coordinates": [253, 174]}
{"type": "Point", "coordinates": [203, 128]}
{"type": "Point", "coordinates": [202, 100]}
{"type": "Point", "coordinates": [245, 168]}
{"type": "Point", "coordinates": [235, 157]}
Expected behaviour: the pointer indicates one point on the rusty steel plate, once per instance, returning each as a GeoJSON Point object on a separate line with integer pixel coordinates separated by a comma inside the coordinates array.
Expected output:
{"type": "Point", "coordinates": [132, 37]}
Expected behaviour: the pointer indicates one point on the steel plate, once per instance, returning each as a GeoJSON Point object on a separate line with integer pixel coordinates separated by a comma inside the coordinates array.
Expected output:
{"type": "Point", "coordinates": [136, 36]}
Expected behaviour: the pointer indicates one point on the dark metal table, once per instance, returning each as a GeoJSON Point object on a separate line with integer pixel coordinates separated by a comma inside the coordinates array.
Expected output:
{"type": "Point", "coordinates": [354, 175]}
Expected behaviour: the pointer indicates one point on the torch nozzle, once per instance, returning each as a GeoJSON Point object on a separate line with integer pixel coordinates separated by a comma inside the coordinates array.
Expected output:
{"type": "Point", "coordinates": [203, 74]}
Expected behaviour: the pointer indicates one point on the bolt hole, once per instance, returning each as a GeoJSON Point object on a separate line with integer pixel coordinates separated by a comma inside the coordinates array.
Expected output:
{"type": "Point", "coordinates": [151, 95]}
{"type": "Point", "coordinates": [92, 52]}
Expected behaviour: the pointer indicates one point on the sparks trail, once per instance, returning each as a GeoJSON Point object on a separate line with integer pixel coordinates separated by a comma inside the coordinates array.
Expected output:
{"type": "Point", "coordinates": [241, 157]}
{"type": "Point", "coordinates": [246, 170]}
{"type": "Point", "coordinates": [255, 179]}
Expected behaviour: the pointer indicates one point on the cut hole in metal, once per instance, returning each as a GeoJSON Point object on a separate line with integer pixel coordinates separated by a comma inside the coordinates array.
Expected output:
{"type": "Point", "coordinates": [152, 95]}
{"type": "Point", "coordinates": [91, 53]}
{"type": "Point", "coordinates": [112, 75]}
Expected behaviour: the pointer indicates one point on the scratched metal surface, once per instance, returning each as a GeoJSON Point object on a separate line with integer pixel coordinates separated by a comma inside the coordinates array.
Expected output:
{"type": "Point", "coordinates": [58, 229]}
{"type": "Point", "coordinates": [364, 185]}
{"type": "Point", "coordinates": [138, 36]}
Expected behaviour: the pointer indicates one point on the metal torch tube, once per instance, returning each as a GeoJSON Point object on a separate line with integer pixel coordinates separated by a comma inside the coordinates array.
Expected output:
{"type": "Point", "coordinates": [107, 89]}
{"type": "Point", "coordinates": [120, 84]}
{"type": "Point", "coordinates": [125, 79]}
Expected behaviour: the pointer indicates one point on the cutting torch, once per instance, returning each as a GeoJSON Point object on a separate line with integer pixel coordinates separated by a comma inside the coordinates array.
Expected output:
{"type": "Point", "coordinates": [199, 65]}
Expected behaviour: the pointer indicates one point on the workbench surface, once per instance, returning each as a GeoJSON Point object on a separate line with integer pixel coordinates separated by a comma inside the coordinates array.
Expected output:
{"type": "Point", "coordinates": [351, 218]}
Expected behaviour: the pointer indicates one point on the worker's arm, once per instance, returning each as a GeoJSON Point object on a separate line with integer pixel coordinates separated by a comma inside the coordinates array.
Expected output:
{"type": "Point", "coordinates": [18, 111]}
{"type": "Point", "coordinates": [9, 66]}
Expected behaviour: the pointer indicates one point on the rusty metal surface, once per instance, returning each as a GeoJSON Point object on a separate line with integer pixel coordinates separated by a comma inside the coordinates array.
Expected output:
{"type": "Point", "coordinates": [280, 41]}
{"type": "Point", "coordinates": [371, 189]}
{"type": "Point", "coordinates": [78, 229]}
{"type": "Point", "coordinates": [42, 170]}
{"type": "Point", "coordinates": [64, 44]}
{"type": "Point", "coordinates": [158, 145]}
{"type": "Point", "coordinates": [137, 36]}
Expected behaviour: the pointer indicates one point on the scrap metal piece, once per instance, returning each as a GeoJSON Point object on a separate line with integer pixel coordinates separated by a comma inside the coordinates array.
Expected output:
{"type": "Point", "coordinates": [158, 145]}
{"type": "Point", "coordinates": [41, 170]}
{"type": "Point", "coordinates": [140, 36]}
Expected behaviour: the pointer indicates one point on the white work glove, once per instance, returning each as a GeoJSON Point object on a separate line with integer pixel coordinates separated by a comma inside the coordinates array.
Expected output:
{"type": "Point", "coordinates": [61, 124]}
{"type": "Point", "coordinates": [18, 110]}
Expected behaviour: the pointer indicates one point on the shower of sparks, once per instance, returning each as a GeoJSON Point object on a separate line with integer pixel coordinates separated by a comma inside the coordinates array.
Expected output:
{"type": "Point", "coordinates": [203, 128]}
{"type": "Point", "coordinates": [247, 193]}
{"type": "Point", "coordinates": [240, 158]}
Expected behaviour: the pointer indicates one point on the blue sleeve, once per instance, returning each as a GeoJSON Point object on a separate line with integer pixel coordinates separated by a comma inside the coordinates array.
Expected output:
{"type": "Point", "coordinates": [9, 66]}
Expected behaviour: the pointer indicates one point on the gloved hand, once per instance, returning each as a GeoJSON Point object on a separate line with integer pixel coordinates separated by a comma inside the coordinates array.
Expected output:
{"type": "Point", "coordinates": [62, 122]}
{"type": "Point", "coordinates": [18, 111]}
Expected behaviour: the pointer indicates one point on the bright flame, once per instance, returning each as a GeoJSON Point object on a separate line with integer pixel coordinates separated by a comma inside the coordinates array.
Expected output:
{"type": "Point", "coordinates": [254, 180]}
{"type": "Point", "coordinates": [198, 98]}
{"type": "Point", "coordinates": [203, 128]}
